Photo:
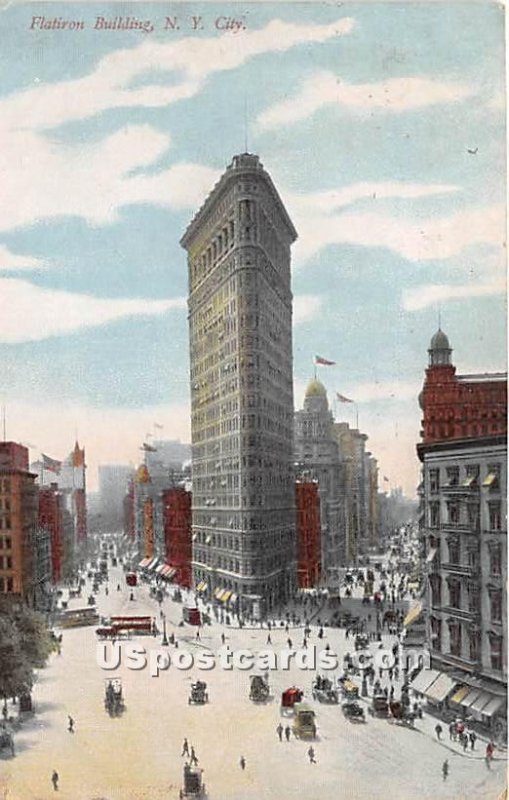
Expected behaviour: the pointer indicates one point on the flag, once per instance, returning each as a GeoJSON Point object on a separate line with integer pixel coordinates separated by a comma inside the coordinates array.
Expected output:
{"type": "Point", "coordinates": [148, 448]}
{"type": "Point", "coordinates": [51, 464]}
{"type": "Point", "coordinates": [343, 399]}
{"type": "Point", "coordinates": [324, 362]}
{"type": "Point", "coordinates": [158, 426]}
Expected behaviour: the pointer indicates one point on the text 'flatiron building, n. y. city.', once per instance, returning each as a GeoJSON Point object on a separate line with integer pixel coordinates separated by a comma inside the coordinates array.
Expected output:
{"type": "Point", "coordinates": [240, 328]}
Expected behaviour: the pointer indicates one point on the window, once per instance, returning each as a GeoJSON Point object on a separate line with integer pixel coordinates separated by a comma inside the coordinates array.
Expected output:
{"type": "Point", "coordinates": [436, 590]}
{"type": "Point", "coordinates": [495, 651]}
{"type": "Point", "coordinates": [473, 511]}
{"type": "Point", "coordinates": [436, 634]}
{"type": "Point", "coordinates": [495, 516]}
{"type": "Point", "coordinates": [453, 513]}
{"type": "Point", "coordinates": [455, 638]}
{"type": "Point", "coordinates": [474, 598]}
{"type": "Point", "coordinates": [474, 645]}
{"type": "Point", "coordinates": [454, 551]}
{"type": "Point", "coordinates": [454, 593]}
{"type": "Point", "coordinates": [434, 515]}
{"type": "Point", "coordinates": [495, 559]}
{"type": "Point", "coordinates": [9, 585]}
{"type": "Point", "coordinates": [434, 480]}
{"type": "Point", "coordinates": [492, 479]}
{"type": "Point", "coordinates": [496, 605]}
{"type": "Point", "coordinates": [453, 476]}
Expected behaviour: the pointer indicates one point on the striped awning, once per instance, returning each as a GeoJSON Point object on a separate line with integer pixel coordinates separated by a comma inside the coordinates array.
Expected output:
{"type": "Point", "coordinates": [440, 688]}
{"type": "Point", "coordinates": [424, 679]}
{"type": "Point", "coordinates": [225, 596]}
{"type": "Point", "coordinates": [482, 701]}
{"type": "Point", "coordinates": [460, 695]}
{"type": "Point", "coordinates": [201, 586]}
{"type": "Point", "coordinates": [470, 697]}
{"type": "Point", "coordinates": [160, 568]}
{"type": "Point", "coordinates": [218, 592]}
{"type": "Point", "coordinates": [493, 706]}
{"type": "Point", "coordinates": [152, 565]}
{"type": "Point", "coordinates": [144, 564]}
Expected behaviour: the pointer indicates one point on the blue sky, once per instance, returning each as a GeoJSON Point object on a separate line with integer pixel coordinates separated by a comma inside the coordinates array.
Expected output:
{"type": "Point", "coordinates": [363, 114]}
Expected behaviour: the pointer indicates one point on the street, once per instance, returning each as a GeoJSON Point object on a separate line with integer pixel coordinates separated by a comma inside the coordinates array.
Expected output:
{"type": "Point", "coordinates": [138, 754]}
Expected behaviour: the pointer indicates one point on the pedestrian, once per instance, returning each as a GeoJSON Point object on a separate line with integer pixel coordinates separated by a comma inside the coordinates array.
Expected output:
{"type": "Point", "coordinates": [185, 748]}
{"type": "Point", "coordinates": [304, 643]}
{"type": "Point", "coordinates": [4, 711]}
{"type": "Point", "coordinates": [290, 644]}
{"type": "Point", "coordinates": [438, 731]}
{"type": "Point", "coordinates": [472, 738]}
{"type": "Point", "coordinates": [489, 754]}
{"type": "Point", "coordinates": [311, 755]}
{"type": "Point", "coordinates": [193, 758]}
{"type": "Point", "coordinates": [269, 640]}
{"type": "Point", "coordinates": [198, 634]}
{"type": "Point", "coordinates": [71, 724]}
{"type": "Point", "coordinates": [347, 633]}
{"type": "Point", "coordinates": [223, 638]}
{"type": "Point", "coordinates": [465, 741]}
{"type": "Point", "coordinates": [391, 693]}
{"type": "Point", "coordinates": [242, 763]}
{"type": "Point", "coordinates": [279, 731]}
{"type": "Point", "coordinates": [288, 731]}
{"type": "Point", "coordinates": [54, 780]}
{"type": "Point", "coordinates": [452, 731]}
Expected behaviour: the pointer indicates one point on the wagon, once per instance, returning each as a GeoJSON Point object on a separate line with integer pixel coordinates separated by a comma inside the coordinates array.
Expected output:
{"type": "Point", "coordinates": [193, 783]}
{"type": "Point", "coordinates": [259, 689]}
{"type": "Point", "coordinates": [198, 694]}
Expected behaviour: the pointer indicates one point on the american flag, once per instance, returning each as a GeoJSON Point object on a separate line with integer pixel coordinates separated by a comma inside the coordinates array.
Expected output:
{"type": "Point", "coordinates": [324, 362]}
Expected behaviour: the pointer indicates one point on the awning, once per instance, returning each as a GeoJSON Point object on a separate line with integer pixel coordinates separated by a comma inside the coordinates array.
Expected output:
{"type": "Point", "coordinates": [152, 565]}
{"type": "Point", "coordinates": [195, 536]}
{"type": "Point", "coordinates": [217, 592]}
{"type": "Point", "coordinates": [460, 695]}
{"type": "Point", "coordinates": [233, 598]}
{"type": "Point", "coordinates": [431, 555]}
{"type": "Point", "coordinates": [225, 597]}
{"type": "Point", "coordinates": [493, 706]}
{"type": "Point", "coordinates": [168, 572]}
{"type": "Point", "coordinates": [490, 479]}
{"type": "Point", "coordinates": [413, 615]}
{"type": "Point", "coordinates": [471, 696]}
{"type": "Point", "coordinates": [160, 568]}
{"type": "Point", "coordinates": [208, 540]}
{"type": "Point", "coordinates": [440, 688]}
{"type": "Point", "coordinates": [144, 564]}
{"type": "Point", "coordinates": [201, 586]}
{"type": "Point", "coordinates": [469, 481]}
{"type": "Point", "coordinates": [483, 700]}
{"type": "Point", "coordinates": [424, 679]}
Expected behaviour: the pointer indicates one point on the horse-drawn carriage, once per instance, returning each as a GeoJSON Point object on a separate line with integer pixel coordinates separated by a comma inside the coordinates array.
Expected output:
{"type": "Point", "coordinates": [349, 689]}
{"type": "Point", "coordinates": [324, 691]}
{"type": "Point", "coordinates": [361, 641]}
{"type": "Point", "coordinates": [401, 714]}
{"type": "Point", "coordinates": [259, 688]}
{"type": "Point", "coordinates": [289, 698]}
{"type": "Point", "coordinates": [198, 693]}
{"type": "Point", "coordinates": [113, 697]}
{"type": "Point", "coordinates": [353, 711]}
{"type": "Point", "coordinates": [193, 783]}
{"type": "Point", "coordinates": [91, 600]}
{"type": "Point", "coordinates": [304, 726]}
{"type": "Point", "coordinates": [6, 741]}
{"type": "Point", "coordinates": [379, 706]}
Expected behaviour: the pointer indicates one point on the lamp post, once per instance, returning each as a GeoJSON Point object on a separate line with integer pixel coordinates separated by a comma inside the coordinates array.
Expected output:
{"type": "Point", "coordinates": [165, 638]}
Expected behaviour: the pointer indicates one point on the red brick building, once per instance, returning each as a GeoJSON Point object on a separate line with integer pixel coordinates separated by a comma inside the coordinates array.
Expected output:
{"type": "Point", "coordinates": [177, 533]}
{"type": "Point", "coordinates": [459, 406]}
{"type": "Point", "coordinates": [308, 534]}
{"type": "Point", "coordinates": [51, 518]}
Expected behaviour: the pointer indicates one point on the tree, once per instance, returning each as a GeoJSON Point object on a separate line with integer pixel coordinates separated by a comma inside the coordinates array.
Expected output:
{"type": "Point", "coordinates": [16, 675]}
{"type": "Point", "coordinates": [35, 638]}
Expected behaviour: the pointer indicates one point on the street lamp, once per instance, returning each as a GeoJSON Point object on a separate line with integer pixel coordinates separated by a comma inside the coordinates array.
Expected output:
{"type": "Point", "coordinates": [165, 638]}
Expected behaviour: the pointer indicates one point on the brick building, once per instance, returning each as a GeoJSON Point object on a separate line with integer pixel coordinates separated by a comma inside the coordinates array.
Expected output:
{"type": "Point", "coordinates": [178, 534]}
{"type": "Point", "coordinates": [309, 545]}
{"type": "Point", "coordinates": [50, 518]}
{"type": "Point", "coordinates": [463, 526]}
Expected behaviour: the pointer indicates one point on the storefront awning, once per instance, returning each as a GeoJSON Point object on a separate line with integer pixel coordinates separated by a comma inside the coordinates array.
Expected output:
{"type": "Point", "coordinates": [424, 679]}
{"type": "Point", "coordinates": [218, 592]}
{"type": "Point", "coordinates": [233, 598]}
{"type": "Point", "coordinates": [159, 569]}
{"type": "Point", "coordinates": [469, 481]}
{"type": "Point", "coordinates": [471, 696]}
{"type": "Point", "coordinates": [440, 688]}
{"type": "Point", "coordinates": [490, 479]}
{"type": "Point", "coordinates": [225, 597]}
{"type": "Point", "coordinates": [493, 706]}
{"type": "Point", "coordinates": [413, 615]}
{"type": "Point", "coordinates": [201, 586]}
{"type": "Point", "coordinates": [483, 700]}
{"type": "Point", "coordinates": [153, 564]}
{"type": "Point", "coordinates": [460, 695]}
{"type": "Point", "coordinates": [144, 564]}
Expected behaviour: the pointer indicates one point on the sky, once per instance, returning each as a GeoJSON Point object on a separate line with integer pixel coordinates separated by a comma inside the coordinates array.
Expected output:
{"type": "Point", "coordinates": [382, 126]}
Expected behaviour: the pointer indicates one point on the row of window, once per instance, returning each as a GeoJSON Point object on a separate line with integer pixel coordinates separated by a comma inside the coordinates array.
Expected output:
{"type": "Point", "coordinates": [470, 477]}
{"type": "Point", "coordinates": [457, 634]}
{"type": "Point", "coordinates": [6, 585]}
{"type": "Point", "coordinates": [454, 586]}
{"type": "Point", "coordinates": [453, 515]}
{"type": "Point", "coordinates": [5, 562]}
{"type": "Point", "coordinates": [5, 542]}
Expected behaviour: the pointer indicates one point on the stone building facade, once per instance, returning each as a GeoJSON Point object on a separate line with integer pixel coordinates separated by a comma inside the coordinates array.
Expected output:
{"type": "Point", "coordinates": [240, 331]}
{"type": "Point", "coordinates": [464, 530]}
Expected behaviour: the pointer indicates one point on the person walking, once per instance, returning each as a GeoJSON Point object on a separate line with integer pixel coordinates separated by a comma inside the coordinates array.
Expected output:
{"type": "Point", "coordinates": [269, 640]}
{"type": "Point", "coordinates": [242, 763]}
{"type": "Point", "coordinates": [70, 727]}
{"type": "Point", "coordinates": [288, 731]}
{"type": "Point", "coordinates": [279, 731]}
{"type": "Point", "coordinates": [452, 731]}
{"type": "Point", "coordinates": [311, 755]}
{"type": "Point", "coordinates": [193, 757]}
{"type": "Point", "coordinates": [54, 780]}
{"type": "Point", "coordinates": [304, 643]}
{"type": "Point", "coordinates": [223, 638]}
{"type": "Point", "coordinates": [290, 643]}
{"type": "Point", "coordinates": [185, 748]}
{"type": "Point", "coordinates": [198, 634]}
{"type": "Point", "coordinates": [438, 731]}
{"type": "Point", "coordinates": [445, 769]}
{"type": "Point", "coordinates": [489, 754]}
{"type": "Point", "coordinates": [472, 737]}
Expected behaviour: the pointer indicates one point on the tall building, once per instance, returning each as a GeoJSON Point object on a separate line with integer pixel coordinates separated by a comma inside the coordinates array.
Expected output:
{"type": "Point", "coordinates": [178, 533]}
{"type": "Point", "coordinates": [240, 329]}
{"type": "Point", "coordinates": [355, 489]}
{"type": "Point", "coordinates": [113, 484]}
{"type": "Point", "coordinates": [18, 525]}
{"type": "Point", "coordinates": [317, 458]}
{"type": "Point", "coordinates": [463, 453]}
{"type": "Point", "coordinates": [51, 520]}
{"type": "Point", "coordinates": [309, 549]}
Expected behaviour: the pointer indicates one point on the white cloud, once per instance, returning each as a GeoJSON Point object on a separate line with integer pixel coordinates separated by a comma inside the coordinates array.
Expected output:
{"type": "Point", "coordinates": [394, 95]}
{"type": "Point", "coordinates": [424, 296]}
{"type": "Point", "coordinates": [110, 435]}
{"type": "Point", "coordinates": [31, 313]}
{"type": "Point", "coordinates": [306, 307]}
{"type": "Point", "coordinates": [15, 262]}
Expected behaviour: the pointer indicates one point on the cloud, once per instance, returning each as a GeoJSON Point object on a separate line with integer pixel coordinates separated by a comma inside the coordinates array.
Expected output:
{"type": "Point", "coordinates": [306, 307]}
{"type": "Point", "coordinates": [30, 313]}
{"type": "Point", "coordinates": [416, 239]}
{"type": "Point", "coordinates": [391, 96]}
{"type": "Point", "coordinates": [10, 262]}
{"type": "Point", "coordinates": [109, 435]}
{"type": "Point", "coordinates": [424, 296]}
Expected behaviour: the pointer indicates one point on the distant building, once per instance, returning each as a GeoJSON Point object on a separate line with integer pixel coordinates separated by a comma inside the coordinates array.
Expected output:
{"type": "Point", "coordinates": [309, 534]}
{"type": "Point", "coordinates": [464, 453]}
{"type": "Point", "coordinates": [18, 525]}
{"type": "Point", "coordinates": [240, 330]}
{"type": "Point", "coordinates": [178, 533]}
{"type": "Point", "coordinates": [357, 489]}
{"type": "Point", "coordinates": [113, 484]}
{"type": "Point", "coordinates": [317, 458]}
{"type": "Point", "coordinates": [51, 519]}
